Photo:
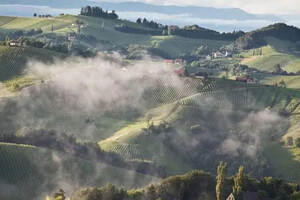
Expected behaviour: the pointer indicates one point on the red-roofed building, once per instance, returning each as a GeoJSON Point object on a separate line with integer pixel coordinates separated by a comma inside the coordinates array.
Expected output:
{"type": "Point", "coordinates": [169, 61]}
{"type": "Point", "coordinates": [174, 27]}
{"type": "Point", "coordinates": [179, 72]}
{"type": "Point", "coordinates": [245, 79]}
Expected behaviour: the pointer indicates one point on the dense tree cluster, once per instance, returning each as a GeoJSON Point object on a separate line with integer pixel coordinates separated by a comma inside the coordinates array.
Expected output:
{"type": "Point", "coordinates": [69, 144]}
{"type": "Point", "coordinates": [256, 39]}
{"type": "Point", "coordinates": [195, 31]}
{"type": "Point", "coordinates": [98, 12]}
{"type": "Point", "coordinates": [198, 185]}
{"type": "Point", "coordinates": [150, 24]}
{"type": "Point", "coordinates": [20, 33]}
{"type": "Point", "coordinates": [128, 29]}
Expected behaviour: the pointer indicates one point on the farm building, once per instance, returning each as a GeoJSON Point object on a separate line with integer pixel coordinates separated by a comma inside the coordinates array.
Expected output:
{"type": "Point", "coordinates": [201, 75]}
{"type": "Point", "coordinates": [176, 61]}
{"type": "Point", "coordinates": [246, 196]}
{"type": "Point", "coordinates": [71, 36]}
{"type": "Point", "coordinates": [168, 61]}
{"type": "Point", "coordinates": [246, 79]}
{"type": "Point", "coordinates": [219, 54]}
{"type": "Point", "coordinates": [230, 197]}
{"type": "Point", "coordinates": [179, 72]}
{"type": "Point", "coordinates": [15, 43]}
{"type": "Point", "coordinates": [174, 27]}
{"type": "Point", "coordinates": [208, 57]}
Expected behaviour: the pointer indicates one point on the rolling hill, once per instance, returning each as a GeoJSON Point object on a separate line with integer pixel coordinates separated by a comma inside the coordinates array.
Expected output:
{"type": "Point", "coordinates": [107, 37]}
{"type": "Point", "coordinates": [13, 60]}
{"type": "Point", "coordinates": [187, 127]}
{"type": "Point", "coordinates": [206, 121]}
{"type": "Point", "coordinates": [28, 168]}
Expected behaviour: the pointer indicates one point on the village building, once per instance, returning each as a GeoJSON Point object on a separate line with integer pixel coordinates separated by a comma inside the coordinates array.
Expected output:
{"type": "Point", "coordinates": [178, 61]}
{"type": "Point", "coordinates": [71, 36]}
{"type": "Point", "coordinates": [246, 196]}
{"type": "Point", "coordinates": [228, 54]}
{"type": "Point", "coordinates": [169, 61]}
{"type": "Point", "coordinates": [208, 57]}
{"type": "Point", "coordinates": [230, 197]}
{"type": "Point", "coordinates": [218, 54]}
{"type": "Point", "coordinates": [179, 72]}
{"type": "Point", "coordinates": [175, 61]}
{"type": "Point", "coordinates": [246, 79]}
{"type": "Point", "coordinates": [15, 43]}
{"type": "Point", "coordinates": [173, 27]}
{"type": "Point", "coordinates": [201, 75]}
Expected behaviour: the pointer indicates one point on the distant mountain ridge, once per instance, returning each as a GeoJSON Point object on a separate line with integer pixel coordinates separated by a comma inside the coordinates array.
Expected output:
{"type": "Point", "coordinates": [203, 12]}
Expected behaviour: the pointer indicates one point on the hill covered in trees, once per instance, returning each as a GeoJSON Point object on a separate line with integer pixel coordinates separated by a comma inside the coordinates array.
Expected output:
{"type": "Point", "coordinates": [200, 185]}
{"type": "Point", "coordinates": [281, 31]}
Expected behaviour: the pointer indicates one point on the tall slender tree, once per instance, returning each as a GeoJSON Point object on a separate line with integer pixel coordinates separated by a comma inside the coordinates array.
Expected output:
{"type": "Point", "coordinates": [221, 175]}
{"type": "Point", "coordinates": [238, 183]}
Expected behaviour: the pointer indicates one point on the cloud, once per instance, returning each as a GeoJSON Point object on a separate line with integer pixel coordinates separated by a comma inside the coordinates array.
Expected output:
{"type": "Point", "coordinates": [28, 10]}
{"type": "Point", "coordinates": [186, 19]}
{"type": "Point", "coordinates": [253, 6]}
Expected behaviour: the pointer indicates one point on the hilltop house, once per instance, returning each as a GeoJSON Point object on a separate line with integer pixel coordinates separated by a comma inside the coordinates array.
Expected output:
{"type": "Point", "coordinates": [228, 54]}
{"type": "Point", "coordinates": [179, 72]}
{"type": "Point", "coordinates": [219, 54]}
{"type": "Point", "coordinates": [71, 36]}
{"type": "Point", "coordinates": [246, 79]}
{"type": "Point", "coordinates": [208, 57]}
{"type": "Point", "coordinates": [246, 196]}
{"type": "Point", "coordinates": [173, 27]}
{"type": "Point", "coordinates": [201, 75]}
{"type": "Point", "coordinates": [230, 197]}
{"type": "Point", "coordinates": [176, 61]}
{"type": "Point", "coordinates": [15, 43]}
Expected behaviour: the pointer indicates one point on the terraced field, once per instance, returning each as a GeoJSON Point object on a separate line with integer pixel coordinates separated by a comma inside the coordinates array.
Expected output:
{"type": "Point", "coordinates": [229, 96]}
{"type": "Point", "coordinates": [27, 168]}
{"type": "Point", "coordinates": [13, 60]}
{"type": "Point", "coordinates": [276, 52]}
{"type": "Point", "coordinates": [104, 31]}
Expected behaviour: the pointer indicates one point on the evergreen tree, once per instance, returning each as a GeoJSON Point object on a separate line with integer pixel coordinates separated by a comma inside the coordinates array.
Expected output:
{"type": "Point", "coordinates": [7, 39]}
{"type": "Point", "coordinates": [60, 195]}
{"type": "Point", "coordinates": [221, 175]}
{"type": "Point", "coordinates": [238, 183]}
{"type": "Point", "coordinates": [297, 142]}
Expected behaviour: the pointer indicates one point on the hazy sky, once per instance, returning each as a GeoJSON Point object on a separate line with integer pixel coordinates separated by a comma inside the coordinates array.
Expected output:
{"type": "Point", "coordinates": [253, 6]}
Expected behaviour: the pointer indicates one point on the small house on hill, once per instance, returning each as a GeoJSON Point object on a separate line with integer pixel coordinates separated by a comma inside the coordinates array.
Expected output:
{"type": "Point", "coordinates": [246, 196]}
{"type": "Point", "coordinates": [246, 79]}
{"type": "Point", "coordinates": [179, 72]}
{"type": "Point", "coordinates": [176, 61]}
{"type": "Point", "coordinates": [15, 43]}
{"type": "Point", "coordinates": [71, 36]}
{"type": "Point", "coordinates": [201, 75]}
{"type": "Point", "coordinates": [218, 54]}
{"type": "Point", "coordinates": [168, 61]}
{"type": "Point", "coordinates": [174, 27]}
{"type": "Point", "coordinates": [230, 197]}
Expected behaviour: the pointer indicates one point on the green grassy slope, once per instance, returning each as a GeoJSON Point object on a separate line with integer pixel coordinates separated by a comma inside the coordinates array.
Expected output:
{"type": "Point", "coordinates": [107, 36]}
{"type": "Point", "coordinates": [176, 46]}
{"type": "Point", "coordinates": [13, 59]}
{"type": "Point", "coordinates": [276, 52]}
{"type": "Point", "coordinates": [27, 168]}
{"type": "Point", "coordinates": [132, 142]}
